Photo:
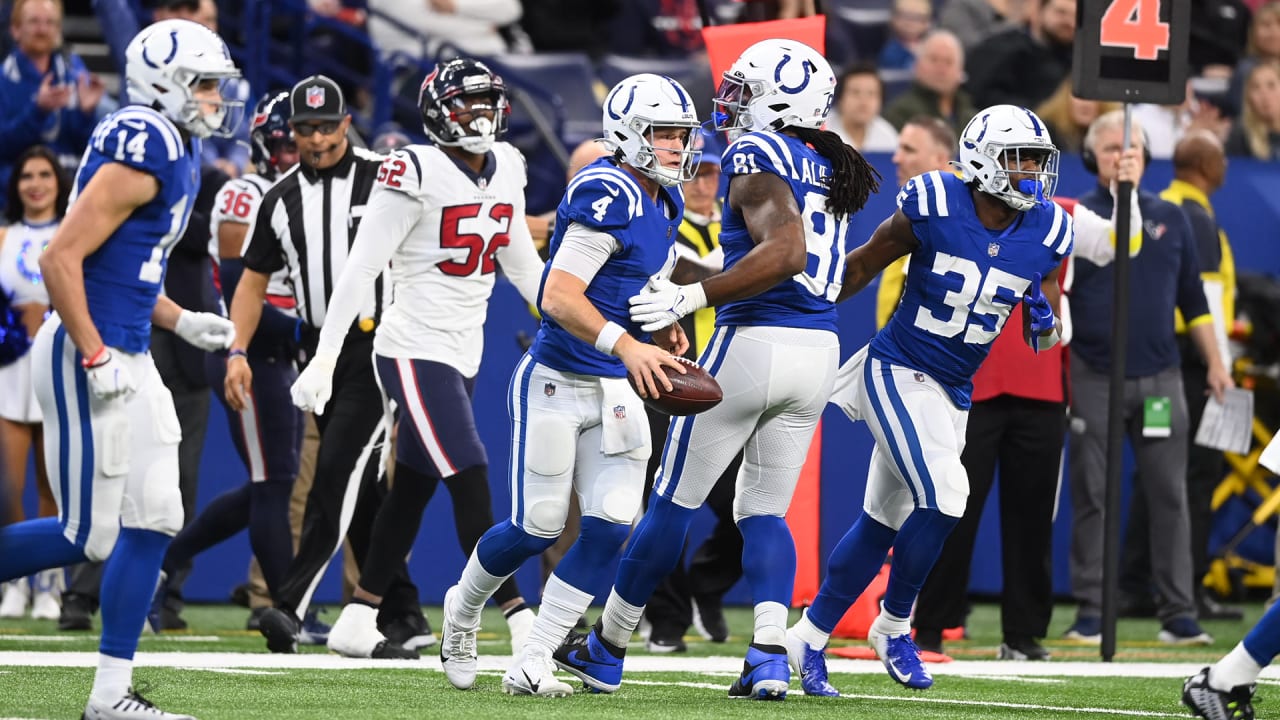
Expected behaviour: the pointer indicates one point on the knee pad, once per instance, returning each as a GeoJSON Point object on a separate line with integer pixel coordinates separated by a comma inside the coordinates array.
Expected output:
{"type": "Point", "coordinates": [951, 487]}
{"type": "Point", "coordinates": [620, 504]}
{"type": "Point", "coordinates": [101, 541]}
{"type": "Point", "coordinates": [158, 506]}
{"type": "Point", "coordinates": [545, 518]}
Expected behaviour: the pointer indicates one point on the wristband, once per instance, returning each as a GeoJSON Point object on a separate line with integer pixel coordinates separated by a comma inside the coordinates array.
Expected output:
{"type": "Point", "coordinates": [97, 358]}
{"type": "Point", "coordinates": [1044, 342]}
{"type": "Point", "coordinates": [237, 353]}
{"type": "Point", "coordinates": [608, 337]}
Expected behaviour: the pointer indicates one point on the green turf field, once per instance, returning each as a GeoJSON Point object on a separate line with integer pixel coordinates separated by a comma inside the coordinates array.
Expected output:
{"type": "Point", "coordinates": [218, 670]}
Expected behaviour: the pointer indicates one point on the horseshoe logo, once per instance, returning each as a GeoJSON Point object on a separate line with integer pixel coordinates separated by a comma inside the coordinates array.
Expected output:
{"type": "Point", "coordinates": [173, 37]}
{"type": "Point", "coordinates": [631, 96]}
{"type": "Point", "coordinates": [793, 89]}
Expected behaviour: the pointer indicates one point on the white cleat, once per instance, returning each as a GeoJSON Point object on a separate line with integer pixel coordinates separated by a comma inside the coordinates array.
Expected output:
{"type": "Point", "coordinates": [356, 635]}
{"type": "Point", "coordinates": [16, 594]}
{"type": "Point", "coordinates": [457, 647]}
{"type": "Point", "coordinates": [533, 673]}
{"type": "Point", "coordinates": [47, 587]}
{"type": "Point", "coordinates": [130, 706]}
{"type": "Point", "coordinates": [520, 624]}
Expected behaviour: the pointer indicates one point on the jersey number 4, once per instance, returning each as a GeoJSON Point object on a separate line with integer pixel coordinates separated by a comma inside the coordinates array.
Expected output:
{"type": "Point", "coordinates": [479, 252]}
{"type": "Point", "coordinates": [977, 296]}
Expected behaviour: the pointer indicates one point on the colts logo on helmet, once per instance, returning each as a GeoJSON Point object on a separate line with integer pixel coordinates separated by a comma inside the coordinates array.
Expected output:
{"type": "Point", "coordinates": [173, 52]}
{"type": "Point", "coordinates": [630, 99]}
{"type": "Point", "coordinates": [793, 89]}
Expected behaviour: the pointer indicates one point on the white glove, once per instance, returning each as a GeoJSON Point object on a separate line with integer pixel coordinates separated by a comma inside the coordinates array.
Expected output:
{"type": "Point", "coordinates": [662, 303]}
{"type": "Point", "coordinates": [207, 331]}
{"type": "Point", "coordinates": [313, 388]}
{"type": "Point", "coordinates": [110, 378]}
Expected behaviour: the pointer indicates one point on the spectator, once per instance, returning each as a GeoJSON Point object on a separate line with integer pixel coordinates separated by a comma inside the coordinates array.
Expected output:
{"type": "Point", "coordinates": [544, 21]}
{"type": "Point", "coordinates": [973, 20]}
{"type": "Point", "coordinates": [37, 201]}
{"type": "Point", "coordinates": [1199, 169]}
{"type": "Point", "coordinates": [1165, 276]}
{"type": "Point", "coordinates": [663, 28]}
{"type": "Point", "coordinates": [935, 91]}
{"type": "Point", "coordinates": [425, 29]}
{"type": "Point", "coordinates": [908, 23]}
{"type": "Point", "coordinates": [46, 95]}
{"type": "Point", "coordinates": [1164, 125]}
{"type": "Point", "coordinates": [1068, 117]}
{"type": "Point", "coordinates": [1219, 29]}
{"type": "Point", "coordinates": [1263, 46]}
{"type": "Point", "coordinates": [204, 12]}
{"type": "Point", "coordinates": [1257, 133]}
{"type": "Point", "coordinates": [1023, 66]}
{"type": "Point", "coordinates": [857, 120]}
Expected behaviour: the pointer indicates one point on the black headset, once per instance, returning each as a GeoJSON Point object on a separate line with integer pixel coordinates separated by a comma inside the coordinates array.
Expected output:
{"type": "Point", "coordinates": [1090, 160]}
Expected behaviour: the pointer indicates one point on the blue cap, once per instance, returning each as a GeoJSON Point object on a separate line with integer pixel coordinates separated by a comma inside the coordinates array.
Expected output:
{"type": "Point", "coordinates": [712, 146]}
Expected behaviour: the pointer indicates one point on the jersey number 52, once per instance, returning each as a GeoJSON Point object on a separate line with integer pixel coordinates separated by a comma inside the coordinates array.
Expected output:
{"type": "Point", "coordinates": [989, 298]}
{"type": "Point", "coordinates": [479, 252]}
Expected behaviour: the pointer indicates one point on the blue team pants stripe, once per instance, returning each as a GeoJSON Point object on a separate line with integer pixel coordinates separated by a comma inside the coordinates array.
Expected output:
{"type": "Point", "coordinates": [518, 397]}
{"type": "Point", "coordinates": [913, 439]}
{"type": "Point", "coordinates": [682, 426]}
{"type": "Point", "coordinates": [86, 457]}
{"type": "Point", "coordinates": [64, 432]}
{"type": "Point", "coordinates": [886, 429]}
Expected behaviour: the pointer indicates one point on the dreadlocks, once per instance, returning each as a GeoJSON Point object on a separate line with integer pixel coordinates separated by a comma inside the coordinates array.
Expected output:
{"type": "Point", "coordinates": [853, 179]}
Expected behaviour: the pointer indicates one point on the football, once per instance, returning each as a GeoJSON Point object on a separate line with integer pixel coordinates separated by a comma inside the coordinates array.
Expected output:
{"type": "Point", "coordinates": [691, 393]}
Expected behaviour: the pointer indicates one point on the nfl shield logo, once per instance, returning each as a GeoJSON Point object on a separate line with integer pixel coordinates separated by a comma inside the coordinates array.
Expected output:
{"type": "Point", "coordinates": [549, 389]}
{"type": "Point", "coordinates": [620, 412]}
{"type": "Point", "coordinates": [315, 97]}
{"type": "Point", "coordinates": [993, 249]}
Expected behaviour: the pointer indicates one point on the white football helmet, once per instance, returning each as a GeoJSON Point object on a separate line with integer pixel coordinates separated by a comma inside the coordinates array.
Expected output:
{"type": "Point", "coordinates": [163, 64]}
{"type": "Point", "coordinates": [774, 84]}
{"type": "Point", "coordinates": [995, 142]}
{"type": "Point", "coordinates": [638, 105]}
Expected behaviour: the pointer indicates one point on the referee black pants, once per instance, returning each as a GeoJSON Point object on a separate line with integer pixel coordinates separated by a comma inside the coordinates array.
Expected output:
{"type": "Point", "coordinates": [1024, 437]}
{"type": "Point", "coordinates": [346, 493]}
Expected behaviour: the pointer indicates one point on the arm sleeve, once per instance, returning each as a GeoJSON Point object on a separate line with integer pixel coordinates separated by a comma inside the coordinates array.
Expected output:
{"type": "Point", "coordinates": [387, 221]}
{"type": "Point", "coordinates": [519, 260]}
{"type": "Point", "coordinates": [1096, 236]}
{"type": "Point", "coordinates": [584, 251]}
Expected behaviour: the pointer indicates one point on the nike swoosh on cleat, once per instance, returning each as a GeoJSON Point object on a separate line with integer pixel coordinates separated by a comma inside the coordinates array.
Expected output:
{"type": "Point", "coordinates": [898, 674]}
{"type": "Point", "coordinates": [532, 685]}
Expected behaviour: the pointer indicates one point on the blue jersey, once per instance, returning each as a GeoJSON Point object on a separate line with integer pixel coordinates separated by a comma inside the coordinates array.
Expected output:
{"type": "Point", "coordinates": [606, 198]}
{"type": "Point", "coordinates": [964, 279]}
{"type": "Point", "coordinates": [808, 299]}
{"type": "Point", "coordinates": [123, 277]}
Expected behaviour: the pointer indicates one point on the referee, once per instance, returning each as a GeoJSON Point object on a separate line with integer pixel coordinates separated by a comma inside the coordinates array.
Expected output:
{"type": "Point", "coordinates": [306, 222]}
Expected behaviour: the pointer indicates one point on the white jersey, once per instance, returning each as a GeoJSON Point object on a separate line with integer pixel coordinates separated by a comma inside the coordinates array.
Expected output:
{"type": "Point", "coordinates": [237, 202]}
{"type": "Point", "coordinates": [20, 277]}
{"type": "Point", "coordinates": [445, 229]}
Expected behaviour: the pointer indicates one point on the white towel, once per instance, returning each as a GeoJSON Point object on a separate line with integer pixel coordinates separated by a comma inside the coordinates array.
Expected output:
{"type": "Point", "coordinates": [844, 394]}
{"type": "Point", "coordinates": [624, 426]}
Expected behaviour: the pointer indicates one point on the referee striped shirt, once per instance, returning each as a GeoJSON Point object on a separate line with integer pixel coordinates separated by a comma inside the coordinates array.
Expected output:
{"type": "Point", "coordinates": [307, 222]}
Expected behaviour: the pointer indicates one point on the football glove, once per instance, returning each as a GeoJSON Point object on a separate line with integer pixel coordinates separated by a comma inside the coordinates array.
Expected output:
{"type": "Point", "coordinates": [1042, 318]}
{"type": "Point", "coordinates": [662, 303]}
{"type": "Point", "coordinates": [110, 378]}
{"type": "Point", "coordinates": [313, 388]}
{"type": "Point", "coordinates": [207, 331]}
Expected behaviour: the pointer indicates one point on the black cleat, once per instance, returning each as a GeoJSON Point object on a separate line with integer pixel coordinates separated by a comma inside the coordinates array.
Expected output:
{"type": "Point", "coordinates": [1213, 704]}
{"type": "Point", "coordinates": [280, 628]}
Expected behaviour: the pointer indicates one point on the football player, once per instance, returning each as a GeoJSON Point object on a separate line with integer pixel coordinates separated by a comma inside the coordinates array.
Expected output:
{"type": "Point", "coordinates": [445, 215]}
{"type": "Point", "coordinates": [111, 431]}
{"type": "Point", "coordinates": [577, 425]}
{"type": "Point", "coordinates": [268, 431]}
{"type": "Point", "coordinates": [792, 191]}
{"type": "Point", "coordinates": [980, 245]}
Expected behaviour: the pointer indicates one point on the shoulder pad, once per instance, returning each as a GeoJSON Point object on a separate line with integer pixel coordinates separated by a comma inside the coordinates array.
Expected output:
{"type": "Point", "coordinates": [928, 195]}
{"type": "Point", "coordinates": [139, 137]}
{"type": "Point", "coordinates": [758, 152]}
{"type": "Point", "coordinates": [403, 171]}
{"type": "Point", "coordinates": [1060, 234]}
{"type": "Point", "coordinates": [603, 197]}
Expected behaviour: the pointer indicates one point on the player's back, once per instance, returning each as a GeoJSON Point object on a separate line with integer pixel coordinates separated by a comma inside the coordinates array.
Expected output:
{"type": "Point", "coordinates": [237, 202]}
{"type": "Point", "coordinates": [604, 197]}
{"type": "Point", "coordinates": [123, 277]}
{"type": "Point", "coordinates": [806, 300]}
{"type": "Point", "coordinates": [444, 270]}
{"type": "Point", "coordinates": [964, 279]}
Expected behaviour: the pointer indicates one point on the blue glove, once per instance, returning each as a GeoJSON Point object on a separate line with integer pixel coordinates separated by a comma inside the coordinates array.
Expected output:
{"type": "Point", "coordinates": [1042, 319]}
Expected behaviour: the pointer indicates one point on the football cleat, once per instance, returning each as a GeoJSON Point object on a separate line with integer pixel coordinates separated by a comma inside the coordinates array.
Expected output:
{"type": "Point", "coordinates": [280, 628]}
{"type": "Point", "coordinates": [591, 659]}
{"type": "Point", "coordinates": [457, 647]}
{"type": "Point", "coordinates": [901, 658]}
{"type": "Point", "coordinates": [130, 706]}
{"type": "Point", "coordinates": [356, 635]}
{"type": "Point", "coordinates": [1214, 704]}
{"type": "Point", "coordinates": [765, 674]}
{"type": "Point", "coordinates": [16, 594]}
{"type": "Point", "coordinates": [534, 674]}
{"type": "Point", "coordinates": [46, 594]}
{"type": "Point", "coordinates": [412, 631]}
{"type": "Point", "coordinates": [312, 631]}
{"type": "Point", "coordinates": [810, 665]}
